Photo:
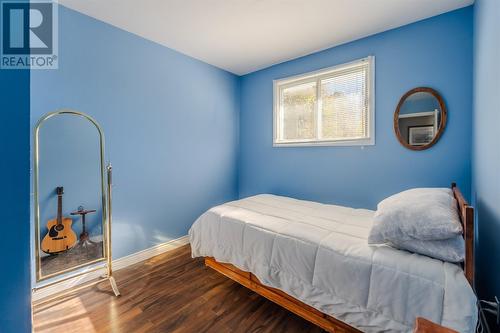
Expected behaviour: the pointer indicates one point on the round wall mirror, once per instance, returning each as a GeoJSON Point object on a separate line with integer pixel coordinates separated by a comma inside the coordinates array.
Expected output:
{"type": "Point", "coordinates": [420, 118]}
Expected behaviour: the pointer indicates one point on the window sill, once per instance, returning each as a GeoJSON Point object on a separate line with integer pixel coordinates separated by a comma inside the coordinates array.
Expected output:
{"type": "Point", "coordinates": [345, 143]}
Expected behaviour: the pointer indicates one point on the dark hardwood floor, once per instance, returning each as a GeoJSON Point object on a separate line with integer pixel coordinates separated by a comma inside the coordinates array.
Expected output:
{"type": "Point", "coordinates": [167, 293]}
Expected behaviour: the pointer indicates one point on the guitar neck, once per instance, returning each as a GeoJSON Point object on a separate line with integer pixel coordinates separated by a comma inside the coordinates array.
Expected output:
{"type": "Point", "coordinates": [59, 209]}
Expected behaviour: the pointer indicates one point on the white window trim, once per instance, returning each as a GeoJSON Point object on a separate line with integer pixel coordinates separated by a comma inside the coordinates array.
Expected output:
{"type": "Point", "coordinates": [316, 76]}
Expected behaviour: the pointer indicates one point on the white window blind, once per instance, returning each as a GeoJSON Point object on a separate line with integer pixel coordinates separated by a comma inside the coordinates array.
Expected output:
{"type": "Point", "coordinates": [333, 106]}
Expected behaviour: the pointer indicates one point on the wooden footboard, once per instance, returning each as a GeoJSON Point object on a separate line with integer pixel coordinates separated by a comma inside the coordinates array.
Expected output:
{"type": "Point", "coordinates": [279, 297]}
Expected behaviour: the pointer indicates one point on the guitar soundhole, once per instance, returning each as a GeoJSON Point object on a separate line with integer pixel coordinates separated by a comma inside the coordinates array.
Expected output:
{"type": "Point", "coordinates": [59, 227]}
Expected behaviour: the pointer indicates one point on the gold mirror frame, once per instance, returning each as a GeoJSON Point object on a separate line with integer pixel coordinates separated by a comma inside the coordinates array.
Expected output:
{"type": "Point", "coordinates": [106, 207]}
{"type": "Point", "coordinates": [442, 125]}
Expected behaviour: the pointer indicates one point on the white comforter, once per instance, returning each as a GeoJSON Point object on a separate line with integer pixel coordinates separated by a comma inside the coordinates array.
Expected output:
{"type": "Point", "coordinates": [319, 254]}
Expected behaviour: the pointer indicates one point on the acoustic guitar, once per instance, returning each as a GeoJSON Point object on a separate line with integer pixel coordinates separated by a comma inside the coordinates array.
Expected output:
{"type": "Point", "coordinates": [60, 237]}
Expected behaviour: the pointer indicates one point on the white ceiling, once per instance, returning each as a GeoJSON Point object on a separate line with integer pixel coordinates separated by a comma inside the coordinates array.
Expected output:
{"type": "Point", "coordinates": [242, 36]}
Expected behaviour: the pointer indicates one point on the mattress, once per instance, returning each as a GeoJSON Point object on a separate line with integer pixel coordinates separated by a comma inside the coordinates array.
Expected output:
{"type": "Point", "coordinates": [319, 254]}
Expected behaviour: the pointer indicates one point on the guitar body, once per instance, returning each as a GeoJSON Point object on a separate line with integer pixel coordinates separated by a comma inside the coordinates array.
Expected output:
{"type": "Point", "coordinates": [60, 237]}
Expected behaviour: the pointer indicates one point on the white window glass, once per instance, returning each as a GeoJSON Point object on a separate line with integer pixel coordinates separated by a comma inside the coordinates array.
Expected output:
{"type": "Point", "coordinates": [298, 111]}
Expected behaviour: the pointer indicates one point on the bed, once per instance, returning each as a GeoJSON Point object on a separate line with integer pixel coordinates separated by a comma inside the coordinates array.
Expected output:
{"type": "Point", "coordinates": [314, 260]}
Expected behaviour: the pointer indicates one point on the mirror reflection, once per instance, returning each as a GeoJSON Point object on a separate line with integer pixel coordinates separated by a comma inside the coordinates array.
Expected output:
{"type": "Point", "coordinates": [420, 118]}
{"type": "Point", "coordinates": [69, 194]}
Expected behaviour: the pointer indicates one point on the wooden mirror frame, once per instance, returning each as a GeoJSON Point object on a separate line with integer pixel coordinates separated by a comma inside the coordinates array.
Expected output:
{"type": "Point", "coordinates": [442, 125]}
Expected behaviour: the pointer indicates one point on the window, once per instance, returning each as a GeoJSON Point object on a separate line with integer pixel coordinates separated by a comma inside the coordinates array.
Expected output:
{"type": "Point", "coordinates": [333, 106]}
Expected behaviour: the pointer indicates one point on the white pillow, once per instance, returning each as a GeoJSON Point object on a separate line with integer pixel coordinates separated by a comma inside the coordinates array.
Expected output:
{"type": "Point", "coordinates": [452, 249]}
{"type": "Point", "coordinates": [420, 213]}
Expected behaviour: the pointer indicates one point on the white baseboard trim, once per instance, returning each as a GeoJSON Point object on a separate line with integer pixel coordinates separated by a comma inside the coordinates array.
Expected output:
{"type": "Point", "coordinates": [39, 294]}
{"type": "Point", "coordinates": [149, 253]}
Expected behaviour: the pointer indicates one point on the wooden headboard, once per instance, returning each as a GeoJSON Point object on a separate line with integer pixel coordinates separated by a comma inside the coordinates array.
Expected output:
{"type": "Point", "coordinates": [466, 214]}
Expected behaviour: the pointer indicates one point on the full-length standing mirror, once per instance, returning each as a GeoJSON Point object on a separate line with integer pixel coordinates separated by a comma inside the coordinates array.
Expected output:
{"type": "Point", "coordinates": [420, 118]}
{"type": "Point", "coordinates": [71, 199]}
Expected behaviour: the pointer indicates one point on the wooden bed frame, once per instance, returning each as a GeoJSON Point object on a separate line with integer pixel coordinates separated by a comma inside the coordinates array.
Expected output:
{"type": "Point", "coordinates": [326, 322]}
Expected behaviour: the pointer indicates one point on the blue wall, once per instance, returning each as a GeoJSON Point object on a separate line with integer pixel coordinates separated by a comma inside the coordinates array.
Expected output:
{"type": "Point", "coordinates": [436, 52]}
{"type": "Point", "coordinates": [171, 125]}
{"type": "Point", "coordinates": [486, 150]}
{"type": "Point", "coordinates": [423, 103]}
{"type": "Point", "coordinates": [15, 288]}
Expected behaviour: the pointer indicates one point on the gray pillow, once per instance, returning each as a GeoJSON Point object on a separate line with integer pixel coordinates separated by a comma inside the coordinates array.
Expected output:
{"type": "Point", "coordinates": [452, 249]}
{"type": "Point", "coordinates": [416, 214]}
